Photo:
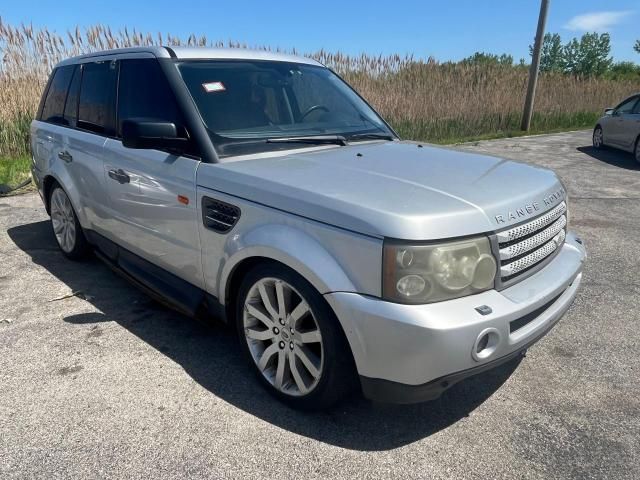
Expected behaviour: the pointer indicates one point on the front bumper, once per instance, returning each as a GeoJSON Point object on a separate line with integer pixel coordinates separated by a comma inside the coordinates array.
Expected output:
{"type": "Point", "coordinates": [411, 353]}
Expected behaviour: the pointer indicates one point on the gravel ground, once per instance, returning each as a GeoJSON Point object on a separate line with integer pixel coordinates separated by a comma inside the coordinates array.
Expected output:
{"type": "Point", "coordinates": [108, 384]}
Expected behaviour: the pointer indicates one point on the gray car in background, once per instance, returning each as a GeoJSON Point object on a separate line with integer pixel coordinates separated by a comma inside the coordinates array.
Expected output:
{"type": "Point", "coordinates": [259, 188]}
{"type": "Point", "coordinates": [619, 127]}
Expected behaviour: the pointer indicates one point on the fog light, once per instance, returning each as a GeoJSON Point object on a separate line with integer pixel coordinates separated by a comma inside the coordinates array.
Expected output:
{"type": "Point", "coordinates": [486, 344]}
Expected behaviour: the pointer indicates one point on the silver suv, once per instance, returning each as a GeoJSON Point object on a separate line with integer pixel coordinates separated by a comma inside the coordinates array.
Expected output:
{"type": "Point", "coordinates": [261, 189]}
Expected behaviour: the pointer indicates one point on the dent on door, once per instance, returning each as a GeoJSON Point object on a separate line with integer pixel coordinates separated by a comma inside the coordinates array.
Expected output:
{"type": "Point", "coordinates": [79, 155]}
{"type": "Point", "coordinates": [43, 146]}
{"type": "Point", "coordinates": [152, 195]}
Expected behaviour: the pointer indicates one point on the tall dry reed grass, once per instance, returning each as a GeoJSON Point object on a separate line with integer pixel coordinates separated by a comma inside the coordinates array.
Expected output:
{"type": "Point", "coordinates": [424, 100]}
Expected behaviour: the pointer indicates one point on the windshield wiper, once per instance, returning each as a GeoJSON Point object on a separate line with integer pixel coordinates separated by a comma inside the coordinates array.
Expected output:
{"type": "Point", "coordinates": [313, 139]}
{"type": "Point", "coordinates": [373, 136]}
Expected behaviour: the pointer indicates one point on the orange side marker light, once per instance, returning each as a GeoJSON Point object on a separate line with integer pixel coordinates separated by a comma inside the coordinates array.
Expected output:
{"type": "Point", "coordinates": [184, 200]}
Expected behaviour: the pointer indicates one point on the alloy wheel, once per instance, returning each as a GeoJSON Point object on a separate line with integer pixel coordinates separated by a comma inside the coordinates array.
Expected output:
{"type": "Point", "coordinates": [283, 336]}
{"type": "Point", "coordinates": [63, 220]}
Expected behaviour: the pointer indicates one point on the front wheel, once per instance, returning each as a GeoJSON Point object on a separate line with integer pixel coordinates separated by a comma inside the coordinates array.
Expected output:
{"type": "Point", "coordinates": [598, 138]}
{"type": "Point", "coordinates": [292, 339]}
{"type": "Point", "coordinates": [65, 225]}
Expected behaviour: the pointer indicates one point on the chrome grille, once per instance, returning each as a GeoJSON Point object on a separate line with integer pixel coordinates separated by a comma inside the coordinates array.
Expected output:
{"type": "Point", "coordinates": [534, 241]}
{"type": "Point", "coordinates": [526, 245]}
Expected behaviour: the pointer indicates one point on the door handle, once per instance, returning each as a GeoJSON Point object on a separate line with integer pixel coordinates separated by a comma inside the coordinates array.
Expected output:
{"type": "Point", "coordinates": [65, 156]}
{"type": "Point", "coordinates": [119, 176]}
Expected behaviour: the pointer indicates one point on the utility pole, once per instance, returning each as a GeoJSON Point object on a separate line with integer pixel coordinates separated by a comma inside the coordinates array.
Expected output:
{"type": "Point", "coordinates": [535, 66]}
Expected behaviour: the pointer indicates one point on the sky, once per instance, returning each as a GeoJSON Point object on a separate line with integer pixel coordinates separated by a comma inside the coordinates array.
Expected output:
{"type": "Point", "coordinates": [448, 30]}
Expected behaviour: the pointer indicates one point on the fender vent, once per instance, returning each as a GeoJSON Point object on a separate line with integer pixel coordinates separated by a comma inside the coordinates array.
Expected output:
{"type": "Point", "coordinates": [219, 216]}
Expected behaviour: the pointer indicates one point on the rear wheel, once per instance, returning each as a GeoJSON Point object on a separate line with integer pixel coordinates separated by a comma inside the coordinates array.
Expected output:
{"type": "Point", "coordinates": [292, 339]}
{"type": "Point", "coordinates": [66, 227]}
{"type": "Point", "coordinates": [598, 137]}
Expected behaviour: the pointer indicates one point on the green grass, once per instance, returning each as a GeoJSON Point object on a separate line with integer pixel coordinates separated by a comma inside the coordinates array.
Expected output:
{"type": "Point", "coordinates": [447, 131]}
{"type": "Point", "coordinates": [14, 170]}
{"type": "Point", "coordinates": [14, 136]}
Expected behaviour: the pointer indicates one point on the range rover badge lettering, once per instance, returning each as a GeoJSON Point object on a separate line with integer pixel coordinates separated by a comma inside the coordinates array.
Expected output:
{"type": "Point", "coordinates": [530, 208]}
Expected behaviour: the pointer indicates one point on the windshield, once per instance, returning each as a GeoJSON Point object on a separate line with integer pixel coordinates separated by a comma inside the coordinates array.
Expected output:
{"type": "Point", "coordinates": [247, 105]}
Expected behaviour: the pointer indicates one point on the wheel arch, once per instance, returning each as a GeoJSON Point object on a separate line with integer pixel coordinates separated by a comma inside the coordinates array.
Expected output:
{"type": "Point", "coordinates": [47, 186]}
{"type": "Point", "coordinates": [49, 181]}
{"type": "Point", "coordinates": [599, 125]}
{"type": "Point", "coordinates": [235, 280]}
{"type": "Point", "coordinates": [284, 245]}
{"type": "Point", "coordinates": [291, 248]}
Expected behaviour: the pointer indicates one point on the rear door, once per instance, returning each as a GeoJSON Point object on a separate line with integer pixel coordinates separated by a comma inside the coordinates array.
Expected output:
{"type": "Point", "coordinates": [68, 149]}
{"type": "Point", "coordinates": [90, 109]}
{"type": "Point", "coordinates": [152, 194]}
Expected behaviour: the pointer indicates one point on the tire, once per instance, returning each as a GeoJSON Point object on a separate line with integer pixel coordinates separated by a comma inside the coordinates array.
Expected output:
{"type": "Point", "coordinates": [598, 138]}
{"type": "Point", "coordinates": [303, 359]}
{"type": "Point", "coordinates": [636, 151]}
{"type": "Point", "coordinates": [65, 225]}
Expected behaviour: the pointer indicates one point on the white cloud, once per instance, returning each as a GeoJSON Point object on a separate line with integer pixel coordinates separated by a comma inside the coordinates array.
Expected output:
{"type": "Point", "coordinates": [597, 21]}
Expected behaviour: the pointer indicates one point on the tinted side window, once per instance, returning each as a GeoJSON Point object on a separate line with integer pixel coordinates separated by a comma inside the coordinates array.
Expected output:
{"type": "Point", "coordinates": [71, 105]}
{"type": "Point", "coordinates": [44, 95]}
{"type": "Point", "coordinates": [97, 97]}
{"type": "Point", "coordinates": [54, 103]}
{"type": "Point", "coordinates": [144, 92]}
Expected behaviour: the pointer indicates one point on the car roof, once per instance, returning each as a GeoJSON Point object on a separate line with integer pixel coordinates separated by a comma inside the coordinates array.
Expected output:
{"type": "Point", "coordinates": [190, 53]}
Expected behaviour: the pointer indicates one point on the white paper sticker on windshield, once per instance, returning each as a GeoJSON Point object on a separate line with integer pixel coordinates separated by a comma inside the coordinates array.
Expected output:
{"type": "Point", "coordinates": [213, 87]}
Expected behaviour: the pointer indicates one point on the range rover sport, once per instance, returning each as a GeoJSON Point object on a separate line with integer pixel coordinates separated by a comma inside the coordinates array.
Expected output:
{"type": "Point", "coordinates": [261, 189]}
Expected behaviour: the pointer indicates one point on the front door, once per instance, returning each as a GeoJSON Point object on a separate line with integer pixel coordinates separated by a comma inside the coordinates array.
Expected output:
{"type": "Point", "coordinates": [152, 193]}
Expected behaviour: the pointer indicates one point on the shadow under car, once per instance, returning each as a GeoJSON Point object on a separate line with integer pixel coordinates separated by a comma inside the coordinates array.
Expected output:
{"type": "Point", "coordinates": [612, 156]}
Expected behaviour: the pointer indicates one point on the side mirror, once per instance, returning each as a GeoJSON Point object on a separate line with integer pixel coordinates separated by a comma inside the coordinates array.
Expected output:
{"type": "Point", "coordinates": [609, 111]}
{"type": "Point", "coordinates": [152, 134]}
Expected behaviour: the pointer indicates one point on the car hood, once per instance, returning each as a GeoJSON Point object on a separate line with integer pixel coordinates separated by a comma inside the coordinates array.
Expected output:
{"type": "Point", "coordinates": [392, 189]}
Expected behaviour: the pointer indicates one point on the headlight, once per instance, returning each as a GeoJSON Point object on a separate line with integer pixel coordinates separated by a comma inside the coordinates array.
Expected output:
{"type": "Point", "coordinates": [414, 273]}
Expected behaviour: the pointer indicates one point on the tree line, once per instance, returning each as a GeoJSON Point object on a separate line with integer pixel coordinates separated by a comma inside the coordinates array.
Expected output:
{"type": "Point", "coordinates": [589, 55]}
